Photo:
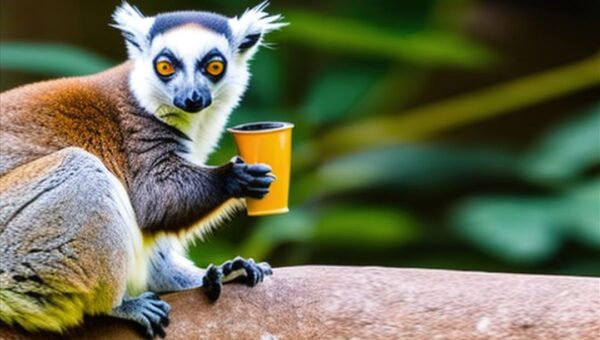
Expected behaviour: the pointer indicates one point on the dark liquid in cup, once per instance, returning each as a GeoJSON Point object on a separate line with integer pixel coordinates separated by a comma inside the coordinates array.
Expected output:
{"type": "Point", "coordinates": [259, 126]}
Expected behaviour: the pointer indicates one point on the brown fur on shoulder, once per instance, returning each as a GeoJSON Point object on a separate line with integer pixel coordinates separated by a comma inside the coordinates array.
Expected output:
{"type": "Point", "coordinates": [42, 118]}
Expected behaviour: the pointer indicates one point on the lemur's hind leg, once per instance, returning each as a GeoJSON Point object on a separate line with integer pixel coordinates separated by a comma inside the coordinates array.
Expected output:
{"type": "Point", "coordinates": [171, 271]}
{"type": "Point", "coordinates": [62, 251]}
{"type": "Point", "coordinates": [67, 241]}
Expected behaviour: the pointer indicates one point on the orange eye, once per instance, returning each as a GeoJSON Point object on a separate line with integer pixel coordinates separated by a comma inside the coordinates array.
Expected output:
{"type": "Point", "coordinates": [215, 68]}
{"type": "Point", "coordinates": [165, 68]}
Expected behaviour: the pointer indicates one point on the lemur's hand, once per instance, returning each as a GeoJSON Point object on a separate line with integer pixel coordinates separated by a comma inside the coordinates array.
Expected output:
{"type": "Point", "coordinates": [237, 270]}
{"type": "Point", "coordinates": [248, 180]}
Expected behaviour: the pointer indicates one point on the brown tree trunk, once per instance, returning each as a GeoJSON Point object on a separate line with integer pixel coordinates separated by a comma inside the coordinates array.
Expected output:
{"type": "Point", "coordinates": [321, 302]}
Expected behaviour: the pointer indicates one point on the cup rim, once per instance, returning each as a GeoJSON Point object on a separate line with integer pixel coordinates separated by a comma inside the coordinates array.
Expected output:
{"type": "Point", "coordinates": [238, 128]}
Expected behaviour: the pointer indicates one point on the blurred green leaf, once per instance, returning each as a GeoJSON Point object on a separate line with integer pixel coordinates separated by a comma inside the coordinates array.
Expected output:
{"type": "Point", "coordinates": [530, 230]}
{"type": "Point", "coordinates": [425, 121]}
{"type": "Point", "coordinates": [567, 150]}
{"type": "Point", "coordinates": [361, 38]}
{"type": "Point", "coordinates": [336, 91]}
{"type": "Point", "coordinates": [364, 227]}
{"type": "Point", "coordinates": [266, 84]}
{"type": "Point", "coordinates": [408, 167]}
{"type": "Point", "coordinates": [295, 226]}
{"type": "Point", "coordinates": [518, 230]}
{"type": "Point", "coordinates": [50, 59]}
{"type": "Point", "coordinates": [579, 213]}
{"type": "Point", "coordinates": [210, 251]}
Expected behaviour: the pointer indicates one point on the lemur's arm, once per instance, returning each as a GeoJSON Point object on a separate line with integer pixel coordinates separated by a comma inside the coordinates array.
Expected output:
{"type": "Point", "coordinates": [174, 193]}
{"type": "Point", "coordinates": [170, 193]}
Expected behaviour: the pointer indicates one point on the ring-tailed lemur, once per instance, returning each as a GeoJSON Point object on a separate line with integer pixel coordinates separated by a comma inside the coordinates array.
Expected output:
{"type": "Point", "coordinates": [102, 181]}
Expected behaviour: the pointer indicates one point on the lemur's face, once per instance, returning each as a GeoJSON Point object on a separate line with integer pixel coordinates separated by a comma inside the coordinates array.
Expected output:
{"type": "Point", "coordinates": [191, 76]}
{"type": "Point", "coordinates": [191, 62]}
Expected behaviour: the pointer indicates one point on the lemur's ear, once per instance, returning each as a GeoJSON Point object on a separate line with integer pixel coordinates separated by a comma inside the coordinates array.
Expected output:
{"type": "Point", "coordinates": [134, 26]}
{"type": "Point", "coordinates": [248, 29]}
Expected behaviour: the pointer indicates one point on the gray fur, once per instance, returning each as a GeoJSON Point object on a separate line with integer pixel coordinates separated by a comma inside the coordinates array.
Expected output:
{"type": "Point", "coordinates": [47, 224]}
{"type": "Point", "coordinates": [170, 271]}
{"type": "Point", "coordinates": [147, 310]}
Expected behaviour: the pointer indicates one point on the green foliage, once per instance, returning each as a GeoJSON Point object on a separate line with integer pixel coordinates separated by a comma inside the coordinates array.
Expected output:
{"type": "Point", "coordinates": [579, 213]}
{"type": "Point", "coordinates": [414, 167]}
{"type": "Point", "coordinates": [515, 229]}
{"type": "Point", "coordinates": [272, 231]}
{"type": "Point", "coordinates": [531, 230]}
{"type": "Point", "coordinates": [347, 85]}
{"type": "Point", "coordinates": [354, 37]}
{"type": "Point", "coordinates": [376, 178]}
{"type": "Point", "coordinates": [50, 59]}
{"type": "Point", "coordinates": [567, 151]}
{"type": "Point", "coordinates": [345, 226]}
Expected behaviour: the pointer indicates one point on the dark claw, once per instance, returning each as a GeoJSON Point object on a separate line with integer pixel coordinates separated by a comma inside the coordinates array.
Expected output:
{"type": "Point", "coordinates": [212, 282]}
{"type": "Point", "coordinates": [255, 273]}
{"type": "Point", "coordinates": [258, 169]}
{"type": "Point", "coordinates": [262, 182]}
{"type": "Point", "coordinates": [257, 192]}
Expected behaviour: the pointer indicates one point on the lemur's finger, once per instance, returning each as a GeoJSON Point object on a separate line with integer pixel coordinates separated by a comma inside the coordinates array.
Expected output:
{"type": "Point", "coordinates": [155, 321]}
{"type": "Point", "coordinates": [244, 178]}
{"type": "Point", "coordinates": [147, 326]}
{"type": "Point", "coordinates": [212, 282]}
{"type": "Point", "coordinates": [163, 306]}
{"type": "Point", "coordinates": [266, 268]}
{"type": "Point", "coordinates": [262, 181]}
{"type": "Point", "coordinates": [156, 311]}
{"type": "Point", "coordinates": [259, 169]}
{"type": "Point", "coordinates": [254, 274]}
{"type": "Point", "coordinates": [258, 193]}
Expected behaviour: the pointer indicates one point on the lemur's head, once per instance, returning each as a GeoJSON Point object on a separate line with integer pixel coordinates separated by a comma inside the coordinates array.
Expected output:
{"type": "Point", "coordinates": [187, 62]}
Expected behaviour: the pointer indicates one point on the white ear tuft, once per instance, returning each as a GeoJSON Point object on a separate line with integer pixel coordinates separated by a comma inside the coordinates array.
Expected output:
{"type": "Point", "coordinates": [134, 26]}
{"type": "Point", "coordinates": [249, 28]}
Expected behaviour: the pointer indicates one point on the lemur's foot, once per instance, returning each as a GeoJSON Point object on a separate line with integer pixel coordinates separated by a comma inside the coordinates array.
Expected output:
{"type": "Point", "coordinates": [148, 311]}
{"type": "Point", "coordinates": [237, 270]}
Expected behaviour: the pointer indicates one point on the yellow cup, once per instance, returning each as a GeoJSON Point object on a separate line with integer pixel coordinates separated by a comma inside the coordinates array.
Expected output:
{"type": "Point", "coordinates": [270, 143]}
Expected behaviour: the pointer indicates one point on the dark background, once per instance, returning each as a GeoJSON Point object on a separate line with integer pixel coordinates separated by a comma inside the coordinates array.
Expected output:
{"type": "Point", "coordinates": [437, 134]}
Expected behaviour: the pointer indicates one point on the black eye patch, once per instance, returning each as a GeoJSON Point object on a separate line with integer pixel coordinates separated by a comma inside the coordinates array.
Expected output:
{"type": "Point", "coordinates": [212, 55]}
{"type": "Point", "coordinates": [167, 55]}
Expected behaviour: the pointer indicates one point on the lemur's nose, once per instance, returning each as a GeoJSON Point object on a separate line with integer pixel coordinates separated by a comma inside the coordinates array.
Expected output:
{"type": "Point", "coordinates": [194, 101]}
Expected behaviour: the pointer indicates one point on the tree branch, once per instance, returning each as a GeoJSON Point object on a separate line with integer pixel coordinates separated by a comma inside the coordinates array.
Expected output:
{"type": "Point", "coordinates": [322, 302]}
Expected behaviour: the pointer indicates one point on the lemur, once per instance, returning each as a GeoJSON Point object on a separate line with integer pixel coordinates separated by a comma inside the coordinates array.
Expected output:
{"type": "Point", "coordinates": [102, 177]}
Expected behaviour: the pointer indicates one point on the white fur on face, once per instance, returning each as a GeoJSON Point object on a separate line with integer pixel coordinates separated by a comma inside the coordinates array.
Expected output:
{"type": "Point", "coordinates": [134, 26]}
{"type": "Point", "coordinates": [189, 44]}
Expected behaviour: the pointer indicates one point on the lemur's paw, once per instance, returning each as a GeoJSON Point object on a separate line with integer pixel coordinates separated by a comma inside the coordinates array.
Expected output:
{"type": "Point", "coordinates": [212, 282]}
{"type": "Point", "coordinates": [249, 180]}
{"type": "Point", "coordinates": [237, 270]}
{"type": "Point", "coordinates": [245, 271]}
{"type": "Point", "coordinates": [148, 311]}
